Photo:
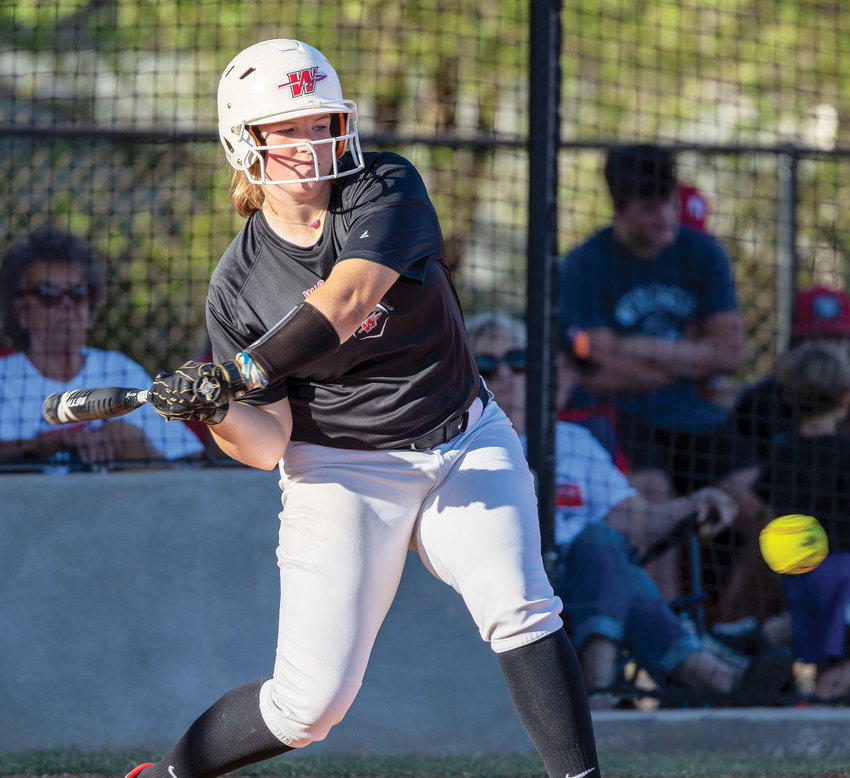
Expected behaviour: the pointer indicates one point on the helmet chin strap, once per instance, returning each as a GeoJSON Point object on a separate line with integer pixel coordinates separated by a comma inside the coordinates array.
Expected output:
{"type": "Point", "coordinates": [338, 128]}
{"type": "Point", "coordinates": [254, 132]}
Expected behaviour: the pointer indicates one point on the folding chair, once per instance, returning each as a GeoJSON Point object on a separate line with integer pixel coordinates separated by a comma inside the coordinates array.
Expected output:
{"type": "Point", "coordinates": [686, 530]}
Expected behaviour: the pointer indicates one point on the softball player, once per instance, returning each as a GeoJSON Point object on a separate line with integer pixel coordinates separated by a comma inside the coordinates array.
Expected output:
{"type": "Point", "coordinates": [341, 358]}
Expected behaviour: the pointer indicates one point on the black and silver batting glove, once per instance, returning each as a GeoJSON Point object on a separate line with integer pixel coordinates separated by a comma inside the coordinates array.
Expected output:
{"type": "Point", "coordinates": [197, 391]}
{"type": "Point", "coordinates": [212, 415]}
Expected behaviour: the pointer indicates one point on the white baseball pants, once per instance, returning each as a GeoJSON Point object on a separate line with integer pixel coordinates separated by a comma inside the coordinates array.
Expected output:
{"type": "Point", "coordinates": [467, 508]}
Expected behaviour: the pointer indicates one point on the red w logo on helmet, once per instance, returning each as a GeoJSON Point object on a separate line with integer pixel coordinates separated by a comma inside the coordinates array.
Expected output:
{"type": "Point", "coordinates": [303, 82]}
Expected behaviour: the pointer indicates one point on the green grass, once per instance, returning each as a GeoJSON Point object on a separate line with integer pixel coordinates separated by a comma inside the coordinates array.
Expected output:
{"type": "Point", "coordinates": [75, 762]}
{"type": "Point", "coordinates": [716, 765]}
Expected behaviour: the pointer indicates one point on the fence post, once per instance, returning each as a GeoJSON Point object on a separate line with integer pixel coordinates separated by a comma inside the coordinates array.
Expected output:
{"type": "Point", "coordinates": [543, 146]}
{"type": "Point", "coordinates": [786, 249]}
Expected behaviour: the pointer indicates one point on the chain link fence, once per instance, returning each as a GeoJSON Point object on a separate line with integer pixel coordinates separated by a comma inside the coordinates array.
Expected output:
{"type": "Point", "coordinates": [108, 128]}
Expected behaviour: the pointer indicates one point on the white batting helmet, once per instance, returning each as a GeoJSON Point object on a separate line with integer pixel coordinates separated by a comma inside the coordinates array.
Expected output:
{"type": "Point", "coordinates": [278, 80]}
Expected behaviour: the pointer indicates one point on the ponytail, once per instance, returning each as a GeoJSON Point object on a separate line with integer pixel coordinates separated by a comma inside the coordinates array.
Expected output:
{"type": "Point", "coordinates": [245, 196]}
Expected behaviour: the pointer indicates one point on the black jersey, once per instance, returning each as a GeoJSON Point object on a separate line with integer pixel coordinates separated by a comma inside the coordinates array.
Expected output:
{"type": "Point", "coordinates": [409, 367]}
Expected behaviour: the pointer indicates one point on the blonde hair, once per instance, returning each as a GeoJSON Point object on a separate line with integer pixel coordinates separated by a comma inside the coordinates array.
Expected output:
{"type": "Point", "coordinates": [245, 196]}
{"type": "Point", "coordinates": [814, 377]}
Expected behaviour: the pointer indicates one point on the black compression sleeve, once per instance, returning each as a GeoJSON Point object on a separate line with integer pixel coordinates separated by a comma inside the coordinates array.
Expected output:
{"type": "Point", "coordinates": [230, 735]}
{"type": "Point", "coordinates": [303, 335]}
{"type": "Point", "coordinates": [545, 682]}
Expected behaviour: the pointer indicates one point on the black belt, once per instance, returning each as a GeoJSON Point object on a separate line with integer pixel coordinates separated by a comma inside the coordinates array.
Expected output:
{"type": "Point", "coordinates": [452, 428]}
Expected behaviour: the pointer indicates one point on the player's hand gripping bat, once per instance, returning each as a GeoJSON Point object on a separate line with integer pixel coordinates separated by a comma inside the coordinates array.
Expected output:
{"type": "Point", "coordinates": [104, 402]}
{"type": "Point", "coordinates": [195, 392]}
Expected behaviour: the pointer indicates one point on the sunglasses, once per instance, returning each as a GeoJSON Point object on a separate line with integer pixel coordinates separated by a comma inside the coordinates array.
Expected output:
{"type": "Point", "coordinates": [50, 296]}
{"type": "Point", "coordinates": [488, 364]}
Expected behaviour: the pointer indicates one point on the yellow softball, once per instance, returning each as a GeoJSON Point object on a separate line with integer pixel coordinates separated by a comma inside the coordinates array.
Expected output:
{"type": "Point", "coordinates": [793, 544]}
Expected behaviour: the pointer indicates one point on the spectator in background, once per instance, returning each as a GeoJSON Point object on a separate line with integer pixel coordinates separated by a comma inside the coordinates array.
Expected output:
{"type": "Point", "coordinates": [807, 470]}
{"type": "Point", "coordinates": [602, 526]}
{"type": "Point", "coordinates": [763, 416]}
{"type": "Point", "coordinates": [504, 372]}
{"type": "Point", "coordinates": [653, 307]}
{"type": "Point", "coordinates": [819, 313]}
{"type": "Point", "coordinates": [600, 415]}
{"type": "Point", "coordinates": [51, 286]}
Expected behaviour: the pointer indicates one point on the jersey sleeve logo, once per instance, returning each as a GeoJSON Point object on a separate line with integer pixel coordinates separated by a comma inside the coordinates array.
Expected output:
{"type": "Point", "coordinates": [303, 82]}
{"type": "Point", "coordinates": [373, 325]}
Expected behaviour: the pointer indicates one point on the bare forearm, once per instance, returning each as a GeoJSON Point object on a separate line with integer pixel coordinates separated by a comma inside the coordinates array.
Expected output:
{"type": "Point", "coordinates": [626, 375]}
{"type": "Point", "coordinates": [131, 442]}
{"type": "Point", "coordinates": [39, 448]}
{"type": "Point", "coordinates": [665, 516]}
{"type": "Point", "coordinates": [614, 372]}
{"type": "Point", "coordinates": [630, 516]}
{"type": "Point", "coordinates": [10, 449]}
{"type": "Point", "coordinates": [110, 442]}
{"type": "Point", "coordinates": [254, 436]}
{"type": "Point", "coordinates": [643, 523]}
{"type": "Point", "coordinates": [685, 358]}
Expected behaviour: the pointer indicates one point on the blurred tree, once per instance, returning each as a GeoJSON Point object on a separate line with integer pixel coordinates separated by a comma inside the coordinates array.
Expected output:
{"type": "Point", "coordinates": [439, 81]}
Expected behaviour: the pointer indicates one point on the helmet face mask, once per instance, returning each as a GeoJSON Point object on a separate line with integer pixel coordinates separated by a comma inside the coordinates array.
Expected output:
{"type": "Point", "coordinates": [252, 136]}
{"type": "Point", "coordinates": [275, 81]}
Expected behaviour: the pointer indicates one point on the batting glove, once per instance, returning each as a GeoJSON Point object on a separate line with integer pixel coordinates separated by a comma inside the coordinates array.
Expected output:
{"type": "Point", "coordinates": [197, 391]}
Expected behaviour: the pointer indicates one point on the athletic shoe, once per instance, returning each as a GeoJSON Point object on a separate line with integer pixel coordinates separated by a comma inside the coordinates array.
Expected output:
{"type": "Point", "coordinates": [769, 675]}
{"type": "Point", "coordinates": [136, 770]}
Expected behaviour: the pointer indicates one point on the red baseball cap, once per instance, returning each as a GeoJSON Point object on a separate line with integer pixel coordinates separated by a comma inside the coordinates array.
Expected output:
{"type": "Point", "coordinates": [693, 208]}
{"type": "Point", "coordinates": [821, 312]}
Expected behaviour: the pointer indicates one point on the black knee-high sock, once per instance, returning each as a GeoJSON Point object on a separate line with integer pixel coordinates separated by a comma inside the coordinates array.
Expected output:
{"type": "Point", "coordinates": [548, 691]}
{"type": "Point", "coordinates": [230, 735]}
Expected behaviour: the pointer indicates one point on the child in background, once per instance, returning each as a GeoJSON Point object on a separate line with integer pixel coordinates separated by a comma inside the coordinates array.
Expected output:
{"type": "Point", "coordinates": [808, 471]}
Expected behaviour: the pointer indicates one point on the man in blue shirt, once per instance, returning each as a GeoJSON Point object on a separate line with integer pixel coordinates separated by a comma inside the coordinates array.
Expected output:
{"type": "Point", "coordinates": [651, 309]}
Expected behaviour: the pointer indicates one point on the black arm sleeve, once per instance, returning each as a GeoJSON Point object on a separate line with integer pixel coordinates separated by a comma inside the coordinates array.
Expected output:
{"type": "Point", "coordinates": [300, 337]}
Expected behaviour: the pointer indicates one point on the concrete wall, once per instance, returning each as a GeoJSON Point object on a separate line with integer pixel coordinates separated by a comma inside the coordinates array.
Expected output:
{"type": "Point", "coordinates": [133, 600]}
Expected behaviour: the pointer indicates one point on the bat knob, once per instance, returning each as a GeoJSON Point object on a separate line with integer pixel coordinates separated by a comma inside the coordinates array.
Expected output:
{"type": "Point", "coordinates": [49, 408]}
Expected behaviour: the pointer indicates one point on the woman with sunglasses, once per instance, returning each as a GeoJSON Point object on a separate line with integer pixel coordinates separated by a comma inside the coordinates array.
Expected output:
{"type": "Point", "coordinates": [499, 347]}
{"type": "Point", "coordinates": [51, 287]}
